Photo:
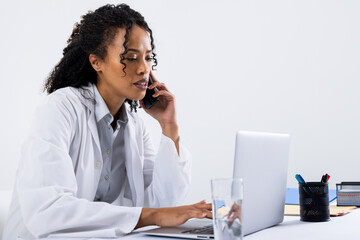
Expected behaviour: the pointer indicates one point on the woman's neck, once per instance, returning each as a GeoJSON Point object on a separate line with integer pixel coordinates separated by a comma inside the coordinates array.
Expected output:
{"type": "Point", "coordinates": [113, 102]}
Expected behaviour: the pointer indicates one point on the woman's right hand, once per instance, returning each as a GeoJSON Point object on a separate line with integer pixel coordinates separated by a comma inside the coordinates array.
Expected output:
{"type": "Point", "coordinates": [173, 216]}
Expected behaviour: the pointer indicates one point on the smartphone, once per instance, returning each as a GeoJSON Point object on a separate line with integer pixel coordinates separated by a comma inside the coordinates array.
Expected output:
{"type": "Point", "coordinates": [149, 100]}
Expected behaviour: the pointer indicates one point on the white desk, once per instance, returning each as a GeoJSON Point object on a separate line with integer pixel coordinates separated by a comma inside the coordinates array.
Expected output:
{"type": "Point", "coordinates": [338, 228]}
{"type": "Point", "coordinates": [346, 227]}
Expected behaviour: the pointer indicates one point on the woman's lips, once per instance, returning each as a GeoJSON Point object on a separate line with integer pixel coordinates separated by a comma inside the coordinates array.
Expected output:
{"type": "Point", "coordinates": [142, 85]}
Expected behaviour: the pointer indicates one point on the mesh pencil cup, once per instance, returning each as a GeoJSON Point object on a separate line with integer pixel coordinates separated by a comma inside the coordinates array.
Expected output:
{"type": "Point", "coordinates": [314, 202]}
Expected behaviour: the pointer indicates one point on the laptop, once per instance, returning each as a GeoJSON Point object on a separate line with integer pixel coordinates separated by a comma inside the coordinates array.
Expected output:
{"type": "Point", "coordinates": [261, 160]}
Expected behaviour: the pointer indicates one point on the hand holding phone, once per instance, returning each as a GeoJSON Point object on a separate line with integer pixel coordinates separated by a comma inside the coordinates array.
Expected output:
{"type": "Point", "coordinates": [149, 100]}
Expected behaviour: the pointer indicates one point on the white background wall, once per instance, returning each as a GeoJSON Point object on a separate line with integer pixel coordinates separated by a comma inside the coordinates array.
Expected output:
{"type": "Point", "coordinates": [278, 66]}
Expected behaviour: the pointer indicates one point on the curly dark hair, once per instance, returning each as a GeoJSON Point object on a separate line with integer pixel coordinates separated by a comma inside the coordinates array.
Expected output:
{"type": "Point", "coordinates": [92, 35]}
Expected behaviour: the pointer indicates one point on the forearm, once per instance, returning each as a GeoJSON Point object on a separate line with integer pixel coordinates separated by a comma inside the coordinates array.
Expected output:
{"type": "Point", "coordinates": [171, 130]}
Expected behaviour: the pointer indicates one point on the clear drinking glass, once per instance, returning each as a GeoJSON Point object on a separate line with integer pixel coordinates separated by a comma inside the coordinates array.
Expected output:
{"type": "Point", "coordinates": [227, 196]}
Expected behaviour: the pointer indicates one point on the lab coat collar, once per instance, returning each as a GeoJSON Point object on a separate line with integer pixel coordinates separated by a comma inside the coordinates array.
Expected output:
{"type": "Point", "coordinates": [134, 165]}
{"type": "Point", "coordinates": [101, 109]}
{"type": "Point", "coordinates": [86, 95]}
{"type": "Point", "coordinates": [87, 98]}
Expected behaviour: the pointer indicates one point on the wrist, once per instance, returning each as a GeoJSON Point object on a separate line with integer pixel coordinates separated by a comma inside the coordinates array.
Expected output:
{"type": "Point", "coordinates": [170, 130]}
{"type": "Point", "coordinates": [146, 217]}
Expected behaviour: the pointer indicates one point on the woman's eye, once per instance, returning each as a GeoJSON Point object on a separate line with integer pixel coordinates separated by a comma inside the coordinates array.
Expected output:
{"type": "Point", "coordinates": [150, 59]}
{"type": "Point", "coordinates": [131, 59]}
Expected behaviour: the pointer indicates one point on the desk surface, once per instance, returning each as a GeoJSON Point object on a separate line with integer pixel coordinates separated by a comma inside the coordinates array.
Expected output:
{"type": "Point", "coordinates": [338, 228]}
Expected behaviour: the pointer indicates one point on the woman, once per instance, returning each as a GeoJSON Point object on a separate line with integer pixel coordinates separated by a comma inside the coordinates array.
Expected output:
{"type": "Point", "coordinates": [88, 168]}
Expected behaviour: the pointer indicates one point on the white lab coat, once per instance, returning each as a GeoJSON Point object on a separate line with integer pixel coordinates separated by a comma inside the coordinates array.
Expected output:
{"type": "Point", "coordinates": [61, 164]}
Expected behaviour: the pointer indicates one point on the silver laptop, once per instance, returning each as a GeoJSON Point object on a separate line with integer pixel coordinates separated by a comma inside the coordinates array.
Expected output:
{"type": "Point", "coordinates": [261, 160]}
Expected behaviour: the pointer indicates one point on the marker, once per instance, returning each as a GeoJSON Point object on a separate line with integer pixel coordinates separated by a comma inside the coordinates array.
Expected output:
{"type": "Point", "coordinates": [299, 178]}
{"type": "Point", "coordinates": [325, 178]}
{"type": "Point", "coordinates": [322, 178]}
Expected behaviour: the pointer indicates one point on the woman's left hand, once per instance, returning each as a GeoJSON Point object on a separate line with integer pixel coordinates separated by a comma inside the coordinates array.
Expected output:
{"type": "Point", "coordinates": [164, 111]}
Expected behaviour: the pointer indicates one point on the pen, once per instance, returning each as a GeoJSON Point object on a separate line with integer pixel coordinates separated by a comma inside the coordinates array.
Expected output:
{"type": "Point", "coordinates": [322, 178]}
{"type": "Point", "coordinates": [299, 178]}
{"type": "Point", "coordinates": [325, 178]}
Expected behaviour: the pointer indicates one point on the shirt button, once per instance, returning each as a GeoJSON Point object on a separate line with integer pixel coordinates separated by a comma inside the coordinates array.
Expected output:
{"type": "Point", "coordinates": [106, 177]}
{"type": "Point", "coordinates": [97, 164]}
{"type": "Point", "coordinates": [108, 151]}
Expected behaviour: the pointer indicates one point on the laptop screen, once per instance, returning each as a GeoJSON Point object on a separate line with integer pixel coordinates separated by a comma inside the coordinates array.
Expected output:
{"type": "Point", "coordinates": [261, 160]}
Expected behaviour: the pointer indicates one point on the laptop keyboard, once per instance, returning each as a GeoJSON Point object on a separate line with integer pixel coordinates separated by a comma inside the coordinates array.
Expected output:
{"type": "Point", "coordinates": [203, 230]}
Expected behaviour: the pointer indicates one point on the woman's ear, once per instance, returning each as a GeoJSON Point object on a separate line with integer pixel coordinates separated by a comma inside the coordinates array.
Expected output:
{"type": "Point", "coordinates": [95, 62]}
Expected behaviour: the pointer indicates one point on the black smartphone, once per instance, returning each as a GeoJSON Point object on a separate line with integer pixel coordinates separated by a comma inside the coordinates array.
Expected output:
{"type": "Point", "coordinates": [149, 100]}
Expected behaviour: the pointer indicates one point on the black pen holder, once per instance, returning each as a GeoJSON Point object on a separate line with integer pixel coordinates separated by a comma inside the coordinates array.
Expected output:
{"type": "Point", "coordinates": [314, 202]}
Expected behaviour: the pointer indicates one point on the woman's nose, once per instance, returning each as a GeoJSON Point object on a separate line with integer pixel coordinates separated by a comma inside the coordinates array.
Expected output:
{"type": "Point", "coordinates": [144, 67]}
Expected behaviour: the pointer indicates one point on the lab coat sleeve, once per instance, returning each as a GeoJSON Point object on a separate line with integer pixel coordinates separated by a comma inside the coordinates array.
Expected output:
{"type": "Point", "coordinates": [167, 174]}
{"type": "Point", "coordinates": [46, 184]}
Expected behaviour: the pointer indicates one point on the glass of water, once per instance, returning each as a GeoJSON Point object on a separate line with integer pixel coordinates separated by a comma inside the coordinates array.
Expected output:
{"type": "Point", "coordinates": [227, 197]}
